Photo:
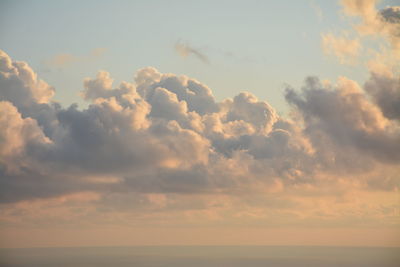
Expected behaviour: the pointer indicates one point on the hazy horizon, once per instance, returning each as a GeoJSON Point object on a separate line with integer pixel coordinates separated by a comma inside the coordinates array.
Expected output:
{"type": "Point", "coordinates": [201, 256]}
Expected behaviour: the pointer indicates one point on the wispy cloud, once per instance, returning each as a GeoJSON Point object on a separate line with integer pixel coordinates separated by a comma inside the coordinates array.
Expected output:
{"type": "Point", "coordinates": [317, 9]}
{"type": "Point", "coordinates": [342, 47]}
{"type": "Point", "coordinates": [185, 50]}
{"type": "Point", "coordinates": [65, 59]}
{"type": "Point", "coordinates": [383, 23]}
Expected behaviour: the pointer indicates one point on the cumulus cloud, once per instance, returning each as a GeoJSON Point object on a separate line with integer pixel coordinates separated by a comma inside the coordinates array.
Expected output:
{"type": "Point", "coordinates": [153, 142]}
{"type": "Point", "coordinates": [17, 136]}
{"type": "Point", "coordinates": [385, 90]}
{"type": "Point", "coordinates": [185, 50]}
{"type": "Point", "coordinates": [359, 127]}
{"type": "Point", "coordinates": [20, 85]}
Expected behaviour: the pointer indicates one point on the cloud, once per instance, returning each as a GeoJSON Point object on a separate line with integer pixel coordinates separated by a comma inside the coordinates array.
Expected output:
{"type": "Point", "coordinates": [163, 145]}
{"type": "Point", "coordinates": [65, 59]}
{"type": "Point", "coordinates": [384, 23]}
{"type": "Point", "coordinates": [391, 14]}
{"type": "Point", "coordinates": [346, 118]}
{"type": "Point", "coordinates": [346, 50]}
{"type": "Point", "coordinates": [185, 50]}
{"type": "Point", "coordinates": [385, 90]}
{"type": "Point", "coordinates": [364, 8]}
{"type": "Point", "coordinates": [317, 9]}
{"type": "Point", "coordinates": [18, 135]}
{"type": "Point", "coordinates": [20, 85]}
{"type": "Point", "coordinates": [97, 52]}
{"type": "Point", "coordinates": [198, 96]}
{"type": "Point", "coordinates": [62, 60]}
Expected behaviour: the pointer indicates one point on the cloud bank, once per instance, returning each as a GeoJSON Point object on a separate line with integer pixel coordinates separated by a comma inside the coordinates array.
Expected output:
{"type": "Point", "coordinates": [161, 146]}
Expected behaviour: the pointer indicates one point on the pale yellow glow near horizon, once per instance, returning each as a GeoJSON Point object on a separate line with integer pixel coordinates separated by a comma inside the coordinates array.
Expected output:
{"type": "Point", "coordinates": [227, 236]}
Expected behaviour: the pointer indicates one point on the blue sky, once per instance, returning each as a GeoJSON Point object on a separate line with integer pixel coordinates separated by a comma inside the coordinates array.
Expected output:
{"type": "Point", "coordinates": [257, 46]}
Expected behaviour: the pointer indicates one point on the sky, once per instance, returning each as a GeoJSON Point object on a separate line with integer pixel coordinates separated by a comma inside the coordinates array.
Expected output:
{"type": "Point", "coordinates": [199, 123]}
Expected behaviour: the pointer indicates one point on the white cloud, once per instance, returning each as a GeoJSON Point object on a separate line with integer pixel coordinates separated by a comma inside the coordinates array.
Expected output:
{"type": "Point", "coordinates": [165, 135]}
{"type": "Point", "coordinates": [20, 85]}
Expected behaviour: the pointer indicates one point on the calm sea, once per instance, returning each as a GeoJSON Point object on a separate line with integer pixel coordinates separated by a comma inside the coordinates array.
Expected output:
{"type": "Point", "coordinates": [199, 256]}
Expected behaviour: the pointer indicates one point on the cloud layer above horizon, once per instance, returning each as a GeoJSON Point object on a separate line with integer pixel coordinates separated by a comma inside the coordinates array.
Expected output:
{"type": "Point", "coordinates": [164, 136]}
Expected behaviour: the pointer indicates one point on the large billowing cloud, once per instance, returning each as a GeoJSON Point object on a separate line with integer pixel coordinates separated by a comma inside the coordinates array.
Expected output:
{"type": "Point", "coordinates": [151, 142]}
{"type": "Point", "coordinates": [346, 115]}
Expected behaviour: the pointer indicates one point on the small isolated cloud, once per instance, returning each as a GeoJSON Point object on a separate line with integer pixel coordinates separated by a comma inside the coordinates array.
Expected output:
{"type": "Point", "coordinates": [317, 9]}
{"type": "Point", "coordinates": [345, 49]}
{"type": "Point", "coordinates": [61, 60]}
{"type": "Point", "coordinates": [65, 59]}
{"type": "Point", "coordinates": [185, 50]}
{"type": "Point", "coordinates": [97, 52]}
